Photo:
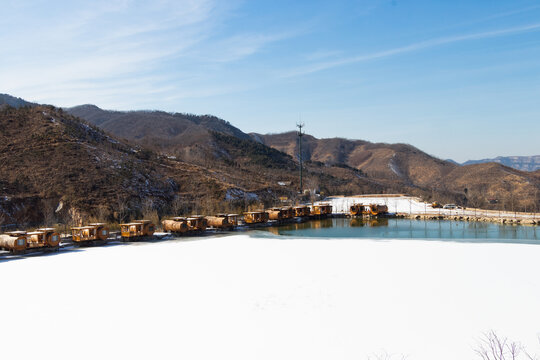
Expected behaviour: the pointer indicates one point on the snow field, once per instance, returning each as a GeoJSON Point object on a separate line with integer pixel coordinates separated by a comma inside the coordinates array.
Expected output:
{"type": "Point", "coordinates": [240, 297]}
{"type": "Point", "coordinates": [412, 205]}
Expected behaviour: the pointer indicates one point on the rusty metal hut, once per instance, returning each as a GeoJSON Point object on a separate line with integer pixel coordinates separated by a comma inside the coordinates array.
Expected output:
{"type": "Point", "coordinates": [14, 242]}
{"type": "Point", "coordinates": [287, 212]}
{"type": "Point", "coordinates": [89, 233]}
{"type": "Point", "coordinates": [137, 229]}
{"type": "Point", "coordinates": [376, 209]}
{"type": "Point", "coordinates": [322, 209]}
{"type": "Point", "coordinates": [275, 214]}
{"type": "Point", "coordinates": [197, 223]}
{"type": "Point", "coordinates": [218, 222]}
{"type": "Point", "coordinates": [356, 210]}
{"type": "Point", "coordinates": [301, 211]}
{"type": "Point", "coordinates": [176, 225]}
{"type": "Point", "coordinates": [232, 219]}
{"type": "Point", "coordinates": [255, 217]}
{"type": "Point", "coordinates": [43, 238]}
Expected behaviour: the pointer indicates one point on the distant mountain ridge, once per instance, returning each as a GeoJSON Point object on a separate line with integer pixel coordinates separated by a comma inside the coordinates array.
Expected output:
{"type": "Point", "coordinates": [523, 163]}
{"type": "Point", "coordinates": [156, 128]}
{"type": "Point", "coordinates": [395, 162]}
{"type": "Point", "coordinates": [402, 167]}
{"type": "Point", "coordinates": [209, 160]}
{"type": "Point", "coordinates": [214, 143]}
{"type": "Point", "coordinates": [13, 101]}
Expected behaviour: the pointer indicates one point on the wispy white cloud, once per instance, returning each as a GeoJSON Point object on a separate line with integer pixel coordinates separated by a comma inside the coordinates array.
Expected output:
{"type": "Point", "coordinates": [100, 43]}
{"type": "Point", "coordinates": [320, 66]}
{"type": "Point", "coordinates": [93, 51]}
{"type": "Point", "coordinates": [240, 46]}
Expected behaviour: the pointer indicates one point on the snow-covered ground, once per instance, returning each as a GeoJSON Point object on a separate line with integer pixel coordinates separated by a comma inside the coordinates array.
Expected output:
{"type": "Point", "coordinates": [413, 205]}
{"type": "Point", "coordinates": [240, 297]}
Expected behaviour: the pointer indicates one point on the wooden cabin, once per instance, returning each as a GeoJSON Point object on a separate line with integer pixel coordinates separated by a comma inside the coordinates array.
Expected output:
{"type": "Point", "coordinates": [301, 211]}
{"type": "Point", "coordinates": [197, 223]}
{"type": "Point", "coordinates": [52, 238]}
{"type": "Point", "coordinates": [232, 219]}
{"type": "Point", "coordinates": [376, 209]}
{"type": "Point", "coordinates": [176, 225]}
{"type": "Point", "coordinates": [14, 242]}
{"type": "Point", "coordinates": [43, 238]}
{"type": "Point", "coordinates": [287, 212]}
{"type": "Point", "coordinates": [275, 214]}
{"type": "Point", "coordinates": [356, 210]}
{"type": "Point", "coordinates": [322, 209]}
{"type": "Point", "coordinates": [137, 229]}
{"type": "Point", "coordinates": [255, 217]}
{"type": "Point", "coordinates": [89, 233]}
{"type": "Point", "coordinates": [218, 222]}
{"type": "Point", "coordinates": [148, 227]}
{"type": "Point", "coordinates": [223, 221]}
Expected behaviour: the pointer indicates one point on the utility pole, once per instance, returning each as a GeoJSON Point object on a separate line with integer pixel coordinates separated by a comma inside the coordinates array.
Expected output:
{"type": "Point", "coordinates": [300, 134]}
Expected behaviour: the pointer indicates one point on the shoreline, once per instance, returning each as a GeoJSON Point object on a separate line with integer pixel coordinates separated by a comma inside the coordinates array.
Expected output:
{"type": "Point", "coordinates": [410, 207]}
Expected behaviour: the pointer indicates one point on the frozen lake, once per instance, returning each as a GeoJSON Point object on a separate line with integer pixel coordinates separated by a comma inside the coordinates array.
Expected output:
{"type": "Point", "coordinates": [394, 228]}
{"type": "Point", "coordinates": [256, 297]}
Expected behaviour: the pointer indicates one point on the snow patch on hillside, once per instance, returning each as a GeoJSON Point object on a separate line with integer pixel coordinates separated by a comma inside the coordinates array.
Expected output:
{"type": "Point", "coordinates": [394, 167]}
{"type": "Point", "coordinates": [238, 194]}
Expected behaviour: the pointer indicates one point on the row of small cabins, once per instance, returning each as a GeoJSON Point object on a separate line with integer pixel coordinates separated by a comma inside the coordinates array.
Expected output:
{"type": "Point", "coordinates": [47, 238]}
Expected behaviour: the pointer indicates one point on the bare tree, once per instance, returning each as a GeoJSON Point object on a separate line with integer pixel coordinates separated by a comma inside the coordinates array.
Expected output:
{"type": "Point", "coordinates": [149, 211]}
{"type": "Point", "coordinates": [535, 202]}
{"type": "Point", "coordinates": [48, 206]}
{"type": "Point", "coordinates": [102, 213]}
{"type": "Point", "coordinates": [386, 356]}
{"type": "Point", "coordinates": [312, 183]}
{"type": "Point", "coordinates": [122, 209]}
{"type": "Point", "coordinates": [493, 347]}
{"type": "Point", "coordinates": [177, 205]}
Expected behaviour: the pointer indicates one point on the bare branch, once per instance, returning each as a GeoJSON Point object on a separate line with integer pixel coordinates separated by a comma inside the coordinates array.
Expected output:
{"type": "Point", "coordinates": [493, 347]}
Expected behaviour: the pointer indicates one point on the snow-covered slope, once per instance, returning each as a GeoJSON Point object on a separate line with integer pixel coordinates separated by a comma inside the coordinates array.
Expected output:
{"type": "Point", "coordinates": [240, 297]}
{"type": "Point", "coordinates": [412, 205]}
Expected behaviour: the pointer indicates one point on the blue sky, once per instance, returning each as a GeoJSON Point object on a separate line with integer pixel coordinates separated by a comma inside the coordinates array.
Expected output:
{"type": "Point", "coordinates": [458, 79]}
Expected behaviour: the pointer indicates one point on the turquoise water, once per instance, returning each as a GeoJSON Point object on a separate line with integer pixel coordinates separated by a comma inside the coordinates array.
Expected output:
{"type": "Point", "coordinates": [461, 231]}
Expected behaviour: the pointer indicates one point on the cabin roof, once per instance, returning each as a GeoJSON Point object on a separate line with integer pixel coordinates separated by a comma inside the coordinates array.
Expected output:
{"type": "Point", "coordinates": [16, 233]}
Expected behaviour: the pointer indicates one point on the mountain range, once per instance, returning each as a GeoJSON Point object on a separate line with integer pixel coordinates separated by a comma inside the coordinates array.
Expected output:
{"type": "Point", "coordinates": [525, 163]}
{"type": "Point", "coordinates": [91, 162]}
{"type": "Point", "coordinates": [385, 167]}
